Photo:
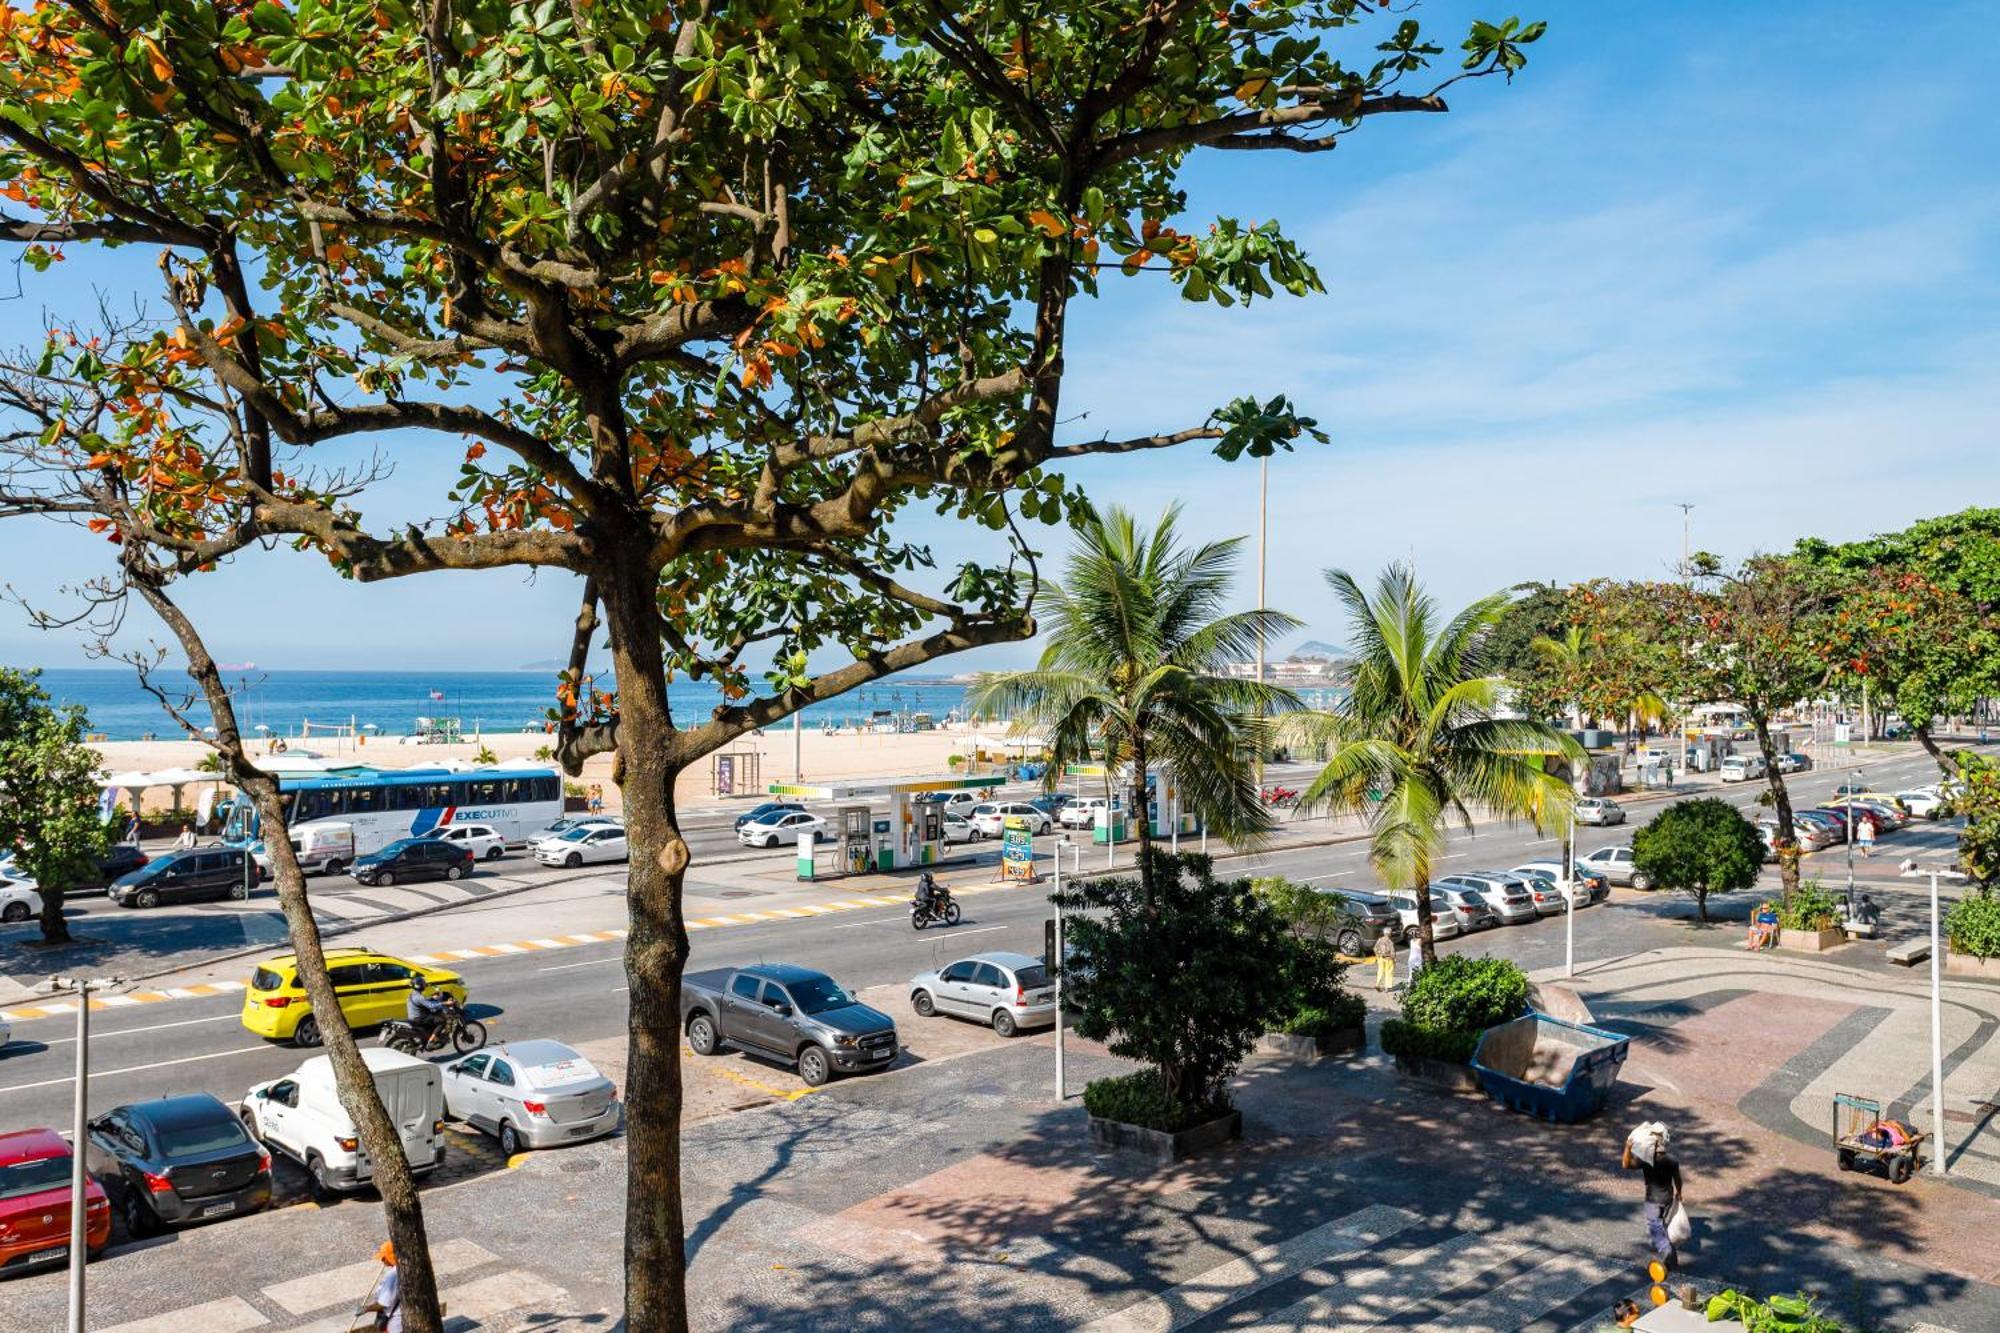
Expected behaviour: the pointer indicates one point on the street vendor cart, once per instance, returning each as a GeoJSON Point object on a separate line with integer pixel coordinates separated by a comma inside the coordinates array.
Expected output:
{"type": "Point", "coordinates": [1861, 1134]}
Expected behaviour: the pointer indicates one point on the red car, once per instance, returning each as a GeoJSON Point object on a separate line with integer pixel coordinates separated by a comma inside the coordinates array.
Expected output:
{"type": "Point", "coordinates": [34, 1201]}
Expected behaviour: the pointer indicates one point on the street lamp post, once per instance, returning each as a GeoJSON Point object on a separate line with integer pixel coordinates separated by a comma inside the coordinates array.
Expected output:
{"type": "Point", "coordinates": [1937, 1038]}
{"type": "Point", "coordinates": [79, 1211]}
{"type": "Point", "coordinates": [1569, 898]}
{"type": "Point", "coordinates": [1847, 808]}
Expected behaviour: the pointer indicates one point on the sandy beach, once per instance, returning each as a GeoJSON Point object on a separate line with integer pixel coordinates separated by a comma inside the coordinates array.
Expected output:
{"type": "Point", "coordinates": [824, 758]}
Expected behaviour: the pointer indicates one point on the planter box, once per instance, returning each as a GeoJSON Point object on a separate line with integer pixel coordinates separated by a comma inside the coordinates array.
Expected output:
{"type": "Point", "coordinates": [1438, 1073]}
{"type": "Point", "coordinates": [1965, 965]}
{"type": "Point", "coordinates": [1811, 941]}
{"type": "Point", "coordinates": [1162, 1146]}
{"type": "Point", "coordinates": [1304, 1047]}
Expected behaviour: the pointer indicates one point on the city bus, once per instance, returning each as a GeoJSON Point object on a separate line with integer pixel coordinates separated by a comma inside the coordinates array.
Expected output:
{"type": "Point", "coordinates": [382, 805]}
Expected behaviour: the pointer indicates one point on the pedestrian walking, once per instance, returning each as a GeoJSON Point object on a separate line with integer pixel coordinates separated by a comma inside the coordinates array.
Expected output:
{"type": "Point", "coordinates": [1649, 1151]}
{"type": "Point", "coordinates": [1864, 837]}
{"type": "Point", "coordinates": [596, 799]}
{"type": "Point", "coordinates": [1385, 960]}
{"type": "Point", "coordinates": [386, 1301]}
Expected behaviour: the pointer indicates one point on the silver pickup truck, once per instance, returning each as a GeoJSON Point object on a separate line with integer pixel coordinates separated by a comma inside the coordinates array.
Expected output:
{"type": "Point", "coordinates": [794, 1014]}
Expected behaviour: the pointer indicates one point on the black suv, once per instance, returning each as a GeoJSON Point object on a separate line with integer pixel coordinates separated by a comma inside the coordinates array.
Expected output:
{"type": "Point", "coordinates": [177, 1160]}
{"type": "Point", "coordinates": [413, 858]}
{"type": "Point", "coordinates": [1366, 918]}
{"type": "Point", "coordinates": [200, 874]}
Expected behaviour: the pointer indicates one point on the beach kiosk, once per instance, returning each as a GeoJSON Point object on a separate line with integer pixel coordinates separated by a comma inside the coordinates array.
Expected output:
{"type": "Point", "coordinates": [1163, 800]}
{"type": "Point", "coordinates": [910, 833]}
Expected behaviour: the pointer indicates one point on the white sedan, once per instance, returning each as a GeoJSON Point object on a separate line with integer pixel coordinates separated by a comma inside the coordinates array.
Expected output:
{"type": "Point", "coordinates": [19, 901]}
{"type": "Point", "coordinates": [991, 819]}
{"type": "Point", "coordinates": [1923, 802]}
{"type": "Point", "coordinates": [783, 827]}
{"type": "Point", "coordinates": [588, 844]}
{"type": "Point", "coordinates": [480, 839]}
{"type": "Point", "coordinates": [957, 829]}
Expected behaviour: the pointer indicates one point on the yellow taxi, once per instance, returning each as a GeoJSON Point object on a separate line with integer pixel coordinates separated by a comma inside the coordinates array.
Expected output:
{"type": "Point", "coordinates": [373, 988]}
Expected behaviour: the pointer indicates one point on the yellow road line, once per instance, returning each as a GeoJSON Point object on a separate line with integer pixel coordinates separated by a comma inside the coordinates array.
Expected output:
{"type": "Point", "coordinates": [782, 1094]}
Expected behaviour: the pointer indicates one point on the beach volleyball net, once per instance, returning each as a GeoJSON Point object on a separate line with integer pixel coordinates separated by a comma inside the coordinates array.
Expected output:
{"type": "Point", "coordinates": [334, 733]}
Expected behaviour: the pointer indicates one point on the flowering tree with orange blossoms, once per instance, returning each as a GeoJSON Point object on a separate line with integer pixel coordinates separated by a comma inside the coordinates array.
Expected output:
{"type": "Point", "coordinates": [709, 293]}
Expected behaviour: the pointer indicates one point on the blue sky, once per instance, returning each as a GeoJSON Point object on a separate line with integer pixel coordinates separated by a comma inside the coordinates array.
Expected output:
{"type": "Point", "coordinates": [1739, 256]}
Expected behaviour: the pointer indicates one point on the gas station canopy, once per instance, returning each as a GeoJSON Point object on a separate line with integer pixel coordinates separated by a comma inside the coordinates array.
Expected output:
{"type": "Point", "coordinates": [864, 788]}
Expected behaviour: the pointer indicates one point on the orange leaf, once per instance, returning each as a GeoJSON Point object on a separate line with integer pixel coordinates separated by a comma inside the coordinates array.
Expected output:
{"type": "Point", "coordinates": [1047, 221]}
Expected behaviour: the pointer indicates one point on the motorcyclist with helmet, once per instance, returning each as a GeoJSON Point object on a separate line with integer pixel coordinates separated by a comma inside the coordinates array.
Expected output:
{"type": "Point", "coordinates": [425, 1011]}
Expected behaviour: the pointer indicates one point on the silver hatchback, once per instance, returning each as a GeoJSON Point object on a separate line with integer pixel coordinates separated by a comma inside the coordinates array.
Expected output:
{"type": "Point", "coordinates": [531, 1094]}
{"type": "Point", "coordinates": [1011, 991]}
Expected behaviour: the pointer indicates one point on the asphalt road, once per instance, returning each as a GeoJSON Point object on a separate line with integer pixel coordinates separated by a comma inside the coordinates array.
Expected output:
{"type": "Point", "coordinates": [577, 995]}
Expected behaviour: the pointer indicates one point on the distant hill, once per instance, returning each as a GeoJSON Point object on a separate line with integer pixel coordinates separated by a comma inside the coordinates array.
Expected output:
{"type": "Point", "coordinates": [546, 664]}
{"type": "Point", "coordinates": [1315, 648]}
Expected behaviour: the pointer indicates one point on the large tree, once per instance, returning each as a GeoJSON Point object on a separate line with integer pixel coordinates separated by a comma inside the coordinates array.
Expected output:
{"type": "Point", "coordinates": [49, 817]}
{"type": "Point", "coordinates": [710, 295]}
{"type": "Point", "coordinates": [1136, 673]}
{"type": "Point", "coordinates": [1416, 748]}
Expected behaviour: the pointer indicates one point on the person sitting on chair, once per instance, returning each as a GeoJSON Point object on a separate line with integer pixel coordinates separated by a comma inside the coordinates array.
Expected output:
{"type": "Point", "coordinates": [1764, 929]}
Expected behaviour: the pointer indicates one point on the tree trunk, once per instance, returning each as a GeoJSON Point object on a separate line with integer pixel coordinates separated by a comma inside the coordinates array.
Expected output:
{"type": "Point", "coordinates": [402, 1209]}
{"type": "Point", "coordinates": [655, 956]}
{"type": "Point", "coordinates": [1929, 742]}
{"type": "Point", "coordinates": [1788, 866]}
{"type": "Point", "coordinates": [1426, 935]}
{"type": "Point", "coordinates": [1138, 812]}
{"type": "Point", "coordinates": [55, 930]}
{"type": "Point", "coordinates": [1701, 903]}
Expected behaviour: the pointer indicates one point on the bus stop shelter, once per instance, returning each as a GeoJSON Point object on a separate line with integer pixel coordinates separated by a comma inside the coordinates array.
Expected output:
{"type": "Point", "coordinates": [911, 833]}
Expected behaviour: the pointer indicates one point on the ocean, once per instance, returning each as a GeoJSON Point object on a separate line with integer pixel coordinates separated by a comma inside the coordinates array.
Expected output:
{"type": "Point", "coordinates": [392, 701]}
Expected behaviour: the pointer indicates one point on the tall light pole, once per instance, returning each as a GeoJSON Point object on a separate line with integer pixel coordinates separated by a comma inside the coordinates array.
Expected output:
{"type": "Point", "coordinates": [79, 1202]}
{"type": "Point", "coordinates": [1937, 1038]}
{"type": "Point", "coordinates": [1263, 537]}
{"type": "Point", "coordinates": [1055, 964]}
{"type": "Point", "coordinates": [1687, 546]}
{"type": "Point", "coordinates": [1569, 897]}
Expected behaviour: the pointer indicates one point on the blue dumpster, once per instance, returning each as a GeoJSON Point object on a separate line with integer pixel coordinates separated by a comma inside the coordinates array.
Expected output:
{"type": "Point", "coordinates": [1550, 1068]}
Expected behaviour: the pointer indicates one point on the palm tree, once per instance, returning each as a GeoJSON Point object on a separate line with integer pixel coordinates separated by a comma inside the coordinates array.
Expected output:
{"type": "Point", "coordinates": [1566, 658]}
{"type": "Point", "coordinates": [1135, 672]}
{"type": "Point", "coordinates": [1415, 748]}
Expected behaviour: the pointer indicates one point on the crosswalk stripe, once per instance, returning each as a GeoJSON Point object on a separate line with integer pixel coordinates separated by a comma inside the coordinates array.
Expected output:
{"type": "Point", "coordinates": [1518, 1302]}
{"type": "Point", "coordinates": [336, 1286]}
{"type": "Point", "coordinates": [550, 944]}
{"type": "Point", "coordinates": [1232, 1281]}
{"type": "Point", "coordinates": [471, 1304]}
{"type": "Point", "coordinates": [229, 1315]}
{"type": "Point", "coordinates": [1359, 1299]}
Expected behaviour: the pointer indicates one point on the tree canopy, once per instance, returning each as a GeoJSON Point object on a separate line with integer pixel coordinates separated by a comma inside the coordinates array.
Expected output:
{"type": "Point", "coordinates": [1701, 846]}
{"type": "Point", "coordinates": [49, 817]}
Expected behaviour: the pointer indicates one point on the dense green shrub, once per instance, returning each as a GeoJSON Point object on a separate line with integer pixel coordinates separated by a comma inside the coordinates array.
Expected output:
{"type": "Point", "coordinates": [1813, 907]}
{"type": "Point", "coordinates": [1342, 1013]}
{"type": "Point", "coordinates": [1461, 994]}
{"type": "Point", "coordinates": [1701, 847]}
{"type": "Point", "coordinates": [1141, 1099]}
{"type": "Point", "coordinates": [1972, 926]}
{"type": "Point", "coordinates": [1401, 1038]}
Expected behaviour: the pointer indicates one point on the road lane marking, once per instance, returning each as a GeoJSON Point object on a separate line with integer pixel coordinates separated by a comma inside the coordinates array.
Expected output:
{"type": "Point", "coordinates": [100, 1034]}
{"type": "Point", "coordinates": [135, 1069]}
{"type": "Point", "coordinates": [232, 1314]}
{"type": "Point", "coordinates": [591, 962]}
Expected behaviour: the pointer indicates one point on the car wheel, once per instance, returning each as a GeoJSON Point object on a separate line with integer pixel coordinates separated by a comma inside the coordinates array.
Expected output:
{"type": "Point", "coordinates": [139, 1221]}
{"type": "Point", "coordinates": [493, 853]}
{"type": "Point", "coordinates": [701, 1035]}
{"type": "Point", "coordinates": [14, 913]}
{"type": "Point", "coordinates": [239, 892]}
{"type": "Point", "coordinates": [335, 866]}
{"type": "Point", "coordinates": [307, 1032]}
{"type": "Point", "coordinates": [573, 860]}
{"type": "Point", "coordinates": [146, 898]}
{"type": "Point", "coordinates": [770, 841]}
{"type": "Point", "coordinates": [386, 877]}
{"type": "Point", "coordinates": [454, 871]}
{"type": "Point", "coordinates": [1641, 880]}
{"type": "Point", "coordinates": [925, 1006]}
{"type": "Point", "coordinates": [510, 1140]}
{"type": "Point", "coordinates": [316, 1168]}
{"type": "Point", "coordinates": [813, 1067]}
{"type": "Point", "coordinates": [1003, 1022]}
{"type": "Point", "coordinates": [1350, 943]}
{"type": "Point", "coordinates": [249, 1120]}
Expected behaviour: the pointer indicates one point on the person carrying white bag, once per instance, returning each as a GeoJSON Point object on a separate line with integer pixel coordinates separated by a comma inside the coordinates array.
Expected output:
{"type": "Point", "coordinates": [1648, 1150]}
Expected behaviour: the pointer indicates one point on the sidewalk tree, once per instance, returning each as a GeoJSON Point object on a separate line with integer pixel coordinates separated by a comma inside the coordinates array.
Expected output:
{"type": "Point", "coordinates": [1978, 802]}
{"type": "Point", "coordinates": [49, 815]}
{"type": "Point", "coordinates": [1136, 672]}
{"type": "Point", "coordinates": [1921, 608]}
{"type": "Point", "coordinates": [1700, 846]}
{"type": "Point", "coordinates": [1760, 636]}
{"type": "Point", "coordinates": [1416, 748]}
{"type": "Point", "coordinates": [1175, 969]}
{"type": "Point", "coordinates": [709, 295]}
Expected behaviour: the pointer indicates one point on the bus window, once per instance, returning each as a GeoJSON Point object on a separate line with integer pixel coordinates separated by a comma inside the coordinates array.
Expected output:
{"type": "Point", "coordinates": [483, 792]}
{"type": "Point", "coordinates": [405, 796]}
{"type": "Point", "coordinates": [514, 790]}
{"type": "Point", "coordinates": [364, 800]}
{"type": "Point", "coordinates": [458, 793]}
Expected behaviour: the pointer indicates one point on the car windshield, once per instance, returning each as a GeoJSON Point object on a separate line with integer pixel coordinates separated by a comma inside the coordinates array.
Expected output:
{"type": "Point", "coordinates": [579, 833]}
{"type": "Point", "coordinates": [816, 995]}
{"type": "Point", "coordinates": [44, 1173]}
{"type": "Point", "coordinates": [204, 1136]}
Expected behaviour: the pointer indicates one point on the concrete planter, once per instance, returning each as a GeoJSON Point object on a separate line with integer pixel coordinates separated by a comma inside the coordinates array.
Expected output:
{"type": "Point", "coordinates": [1162, 1146]}
{"type": "Point", "coordinates": [1811, 941]}
{"type": "Point", "coordinates": [1304, 1047]}
{"type": "Point", "coordinates": [1965, 965]}
{"type": "Point", "coordinates": [1438, 1073]}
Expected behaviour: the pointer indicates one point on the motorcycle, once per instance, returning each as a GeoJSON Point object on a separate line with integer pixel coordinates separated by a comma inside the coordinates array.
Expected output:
{"type": "Point", "coordinates": [463, 1034]}
{"type": "Point", "coordinates": [940, 908]}
{"type": "Point", "coordinates": [1280, 798]}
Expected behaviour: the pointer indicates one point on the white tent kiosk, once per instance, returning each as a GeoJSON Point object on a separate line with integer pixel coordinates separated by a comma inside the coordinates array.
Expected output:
{"type": "Point", "coordinates": [1163, 808]}
{"type": "Point", "coordinates": [911, 834]}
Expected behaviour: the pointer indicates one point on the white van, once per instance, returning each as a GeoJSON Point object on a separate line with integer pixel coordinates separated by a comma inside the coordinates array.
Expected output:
{"type": "Point", "coordinates": [300, 1116]}
{"type": "Point", "coordinates": [322, 849]}
{"type": "Point", "coordinates": [1742, 767]}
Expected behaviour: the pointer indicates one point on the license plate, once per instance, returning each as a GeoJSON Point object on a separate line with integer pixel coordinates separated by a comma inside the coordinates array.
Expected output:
{"type": "Point", "coordinates": [218, 1209]}
{"type": "Point", "coordinates": [1041, 997]}
{"type": "Point", "coordinates": [881, 1055]}
{"type": "Point", "coordinates": [581, 1131]}
{"type": "Point", "coordinates": [49, 1256]}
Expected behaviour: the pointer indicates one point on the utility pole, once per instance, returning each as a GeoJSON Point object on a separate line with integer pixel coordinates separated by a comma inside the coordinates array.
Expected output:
{"type": "Point", "coordinates": [1569, 897]}
{"type": "Point", "coordinates": [1937, 1037]}
{"type": "Point", "coordinates": [1687, 547]}
{"type": "Point", "coordinates": [79, 1209]}
{"type": "Point", "coordinates": [1263, 536]}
